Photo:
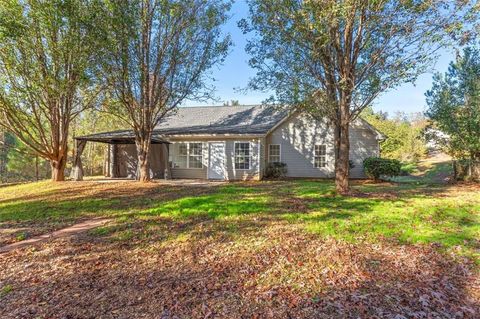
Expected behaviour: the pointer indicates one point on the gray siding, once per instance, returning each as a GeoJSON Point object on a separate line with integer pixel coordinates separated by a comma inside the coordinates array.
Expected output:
{"type": "Point", "coordinates": [363, 144]}
{"type": "Point", "coordinates": [195, 173]}
{"type": "Point", "coordinates": [298, 135]}
{"type": "Point", "coordinates": [232, 174]}
{"type": "Point", "coordinates": [126, 160]}
{"type": "Point", "coordinates": [189, 173]}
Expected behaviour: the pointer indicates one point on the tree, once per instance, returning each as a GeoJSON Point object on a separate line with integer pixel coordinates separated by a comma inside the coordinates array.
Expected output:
{"type": "Point", "coordinates": [333, 58]}
{"type": "Point", "coordinates": [5, 143]}
{"type": "Point", "coordinates": [48, 54]}
{"type": "Point", "coordinates": [93, 121]}
{"type": "Point", "coordinates": [454, 106]}
{"type": "Point", "coordinates": [404, 134]}
{"type": "Point", "coordinates": [161, 54]}
{"type": "Point", "coordinates": [231, 103]}
{"type": "Point", "coordinates": [24, 164]}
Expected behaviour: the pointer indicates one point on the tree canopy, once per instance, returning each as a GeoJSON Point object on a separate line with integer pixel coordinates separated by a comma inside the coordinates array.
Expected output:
{"type": "Point", "coordinates": [404, 133]}
{"type": "Point", "coordinates": [160, 54]}
{"type": "Point", "coordinates": [48, 54]}
{"type": "Point", "coordinates": [454, 106]}
{"type": "Point", "coordinates": [333, 58]}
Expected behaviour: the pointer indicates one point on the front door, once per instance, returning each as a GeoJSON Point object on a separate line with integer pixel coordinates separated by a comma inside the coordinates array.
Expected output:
{"type": "Point", "coordinates": [216, 161]}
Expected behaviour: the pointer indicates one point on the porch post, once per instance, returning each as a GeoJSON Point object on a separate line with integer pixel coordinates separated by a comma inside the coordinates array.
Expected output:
{"type": "Point", "coordinates": [113, 161]}
{"type": "Point", "coordinates": [77, 169]}
{"type": "Point", "coordinates": [166, 156]}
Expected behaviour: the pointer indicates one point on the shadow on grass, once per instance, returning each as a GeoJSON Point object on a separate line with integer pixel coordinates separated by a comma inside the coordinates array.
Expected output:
{"type": "Point", "coordinates": [291, 248]}
{"type": "Point", "coordinates": [402, 213]}
{"type": "Point", "coordinates": [289, 277]}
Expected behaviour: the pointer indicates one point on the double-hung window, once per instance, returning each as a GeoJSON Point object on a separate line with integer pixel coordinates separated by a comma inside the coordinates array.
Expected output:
{"type": "Point", "coordinates": [320, 156]}
{"type": "Point", "coordinates": [242, 155]}
{"type": "Point", "coordinates": [195, 155]}
{"type": "Point", "coordinates": [274, 153]}
{"type": "Point", "coordinates": [187, 155]}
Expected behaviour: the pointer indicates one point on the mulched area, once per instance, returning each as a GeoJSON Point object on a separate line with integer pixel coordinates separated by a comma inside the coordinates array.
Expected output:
{"type": "Point", "coordinates": [273, 271]}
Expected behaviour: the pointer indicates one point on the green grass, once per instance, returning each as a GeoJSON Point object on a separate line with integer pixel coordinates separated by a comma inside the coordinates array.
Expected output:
{"type": "Point", "coordinates": [405, 213]}
{"type": "Point", "coordinates": [5, 290]}
{"type": "Point", "coordinates": [409, 167]}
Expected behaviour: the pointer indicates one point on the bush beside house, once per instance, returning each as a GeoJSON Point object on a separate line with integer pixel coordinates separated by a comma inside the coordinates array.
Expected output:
{"type": "Point", "coordinates": [276, 170]}
{"type": "Point", "coordinates": [376, 167]}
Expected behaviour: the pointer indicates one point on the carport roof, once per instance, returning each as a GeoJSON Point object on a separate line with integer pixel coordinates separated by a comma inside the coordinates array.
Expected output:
{"type": "Point", "coordinates": [117, 137]}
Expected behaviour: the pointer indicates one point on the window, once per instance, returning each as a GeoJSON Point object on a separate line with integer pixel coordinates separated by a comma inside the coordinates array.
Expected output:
{"type": "Point", "coordinates": [242, 155]}
{"type": "Point", "coordinates": [195, 155]}
{"type": "Point", "coordinates": [182, 158]}
{"type": "Point", "coordinates": [320, 156]}
{"type": "Point", "coordinates": [186, 155]}
{"type": "Point", "coordinates": [274, 153]}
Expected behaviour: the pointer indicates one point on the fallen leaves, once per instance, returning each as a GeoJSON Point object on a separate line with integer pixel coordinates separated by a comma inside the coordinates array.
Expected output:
{"type": "Point", "coordinates": [278, 272]}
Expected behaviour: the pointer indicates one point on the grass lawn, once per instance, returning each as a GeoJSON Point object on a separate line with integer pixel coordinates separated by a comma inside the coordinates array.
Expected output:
{"type": "Point", "coordinates": [280, 249]}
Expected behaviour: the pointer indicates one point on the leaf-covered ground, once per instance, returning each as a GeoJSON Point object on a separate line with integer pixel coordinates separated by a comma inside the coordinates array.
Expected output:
{"type": "Point", "coordinates": [284, 249]}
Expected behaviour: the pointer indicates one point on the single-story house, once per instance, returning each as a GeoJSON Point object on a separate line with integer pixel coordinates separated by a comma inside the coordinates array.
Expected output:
{"type": "Point", "coordinates": [237, 143]}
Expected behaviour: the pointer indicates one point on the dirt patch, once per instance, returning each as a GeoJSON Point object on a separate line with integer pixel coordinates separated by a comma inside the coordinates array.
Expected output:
{"type": "Point", "coordinates": [65, 232]}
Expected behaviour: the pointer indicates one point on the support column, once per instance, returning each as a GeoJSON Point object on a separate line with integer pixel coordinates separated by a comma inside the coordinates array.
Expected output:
{"type": "Point", "coordinates": [166, 157]}
{"type": "Point", "coordinates": [113, 161]}
{"type": "Point", "coordinates": [77, 169]}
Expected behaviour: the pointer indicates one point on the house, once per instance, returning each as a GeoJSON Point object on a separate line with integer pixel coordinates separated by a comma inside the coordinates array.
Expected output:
{"type": "Point", "coordinates": [237, 143]}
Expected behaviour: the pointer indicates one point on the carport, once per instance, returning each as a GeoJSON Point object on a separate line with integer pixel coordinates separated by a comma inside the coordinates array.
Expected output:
{"type": "Point", "coordinates": [122, 154]}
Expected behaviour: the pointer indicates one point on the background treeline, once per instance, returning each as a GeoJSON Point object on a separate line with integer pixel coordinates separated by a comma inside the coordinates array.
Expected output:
{"type": "Point", "coordinates": [18, 163]}
{"type": "Point", "coordinates": [405, 135]}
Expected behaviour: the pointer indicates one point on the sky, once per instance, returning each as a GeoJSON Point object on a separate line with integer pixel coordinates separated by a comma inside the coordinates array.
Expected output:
{"type": "Point", "coordinates": [235, 73]}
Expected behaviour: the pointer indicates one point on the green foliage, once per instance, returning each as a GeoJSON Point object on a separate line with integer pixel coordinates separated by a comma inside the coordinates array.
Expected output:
{"type": "Point", "coordinates": [404, 135]}
{"type": "Point", "coordinates": [168, 45]}
{"type": "Point", "coordinates": [21, 163]}
{"type": "Point", "coordinates": [408, 168]}
{"type": "Point", "coordinates": [333, 58]}
{"type": "Point", "coordinates": [297, 51]}
{"type": "Point", "coordinates": [454, 106]}
{"type": "Point", "coordinates": [376, 167]}
{"type": "Point", "coordinates": [49, 58]}
{"type": "Point", "coordinates": [89, 122]}
{"type": "Point", "coordinates": [276, 170]}
{"type": "Point", "coordinates": [159, 54]}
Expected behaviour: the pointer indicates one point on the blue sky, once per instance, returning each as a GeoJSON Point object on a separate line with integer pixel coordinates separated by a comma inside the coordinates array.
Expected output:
{"type": "Point", "coordinates": [235, 73]}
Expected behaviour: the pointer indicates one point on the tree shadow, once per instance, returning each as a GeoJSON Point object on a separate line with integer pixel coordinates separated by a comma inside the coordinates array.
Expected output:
{"type": "Point", "coordinates": [257, 249]}
{"type": "Point", "coordinates": [263, 274]}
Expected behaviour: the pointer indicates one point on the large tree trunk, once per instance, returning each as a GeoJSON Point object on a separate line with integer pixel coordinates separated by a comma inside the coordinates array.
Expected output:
{"type": "Point", "coordinates": [342, 141]}
{"type": "Point", "coordinates": [143, 149]}
{"type": "Point", "coordinates": [342, 163]}
{"type": "Point", "coordinates": [58, 169]}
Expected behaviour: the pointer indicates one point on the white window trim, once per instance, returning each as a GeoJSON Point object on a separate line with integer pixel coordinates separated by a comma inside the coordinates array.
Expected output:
{"type": "Point", "coordinates": [326, 157]}
{"type": "Point", "coordinates": [279, 152]}
{"type": "Point", "coordinates": [188, 155]}
{"type": "Point", "coordinates": [249, 152]}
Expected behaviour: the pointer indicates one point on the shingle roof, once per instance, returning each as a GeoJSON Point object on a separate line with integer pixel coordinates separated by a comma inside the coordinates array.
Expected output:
{"type": "Point", "coordinates": [256, 119]}
{"type": "Point", "coordinates": [118, 137]}
{"type": "Point", "coordinates": [208, 120]}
